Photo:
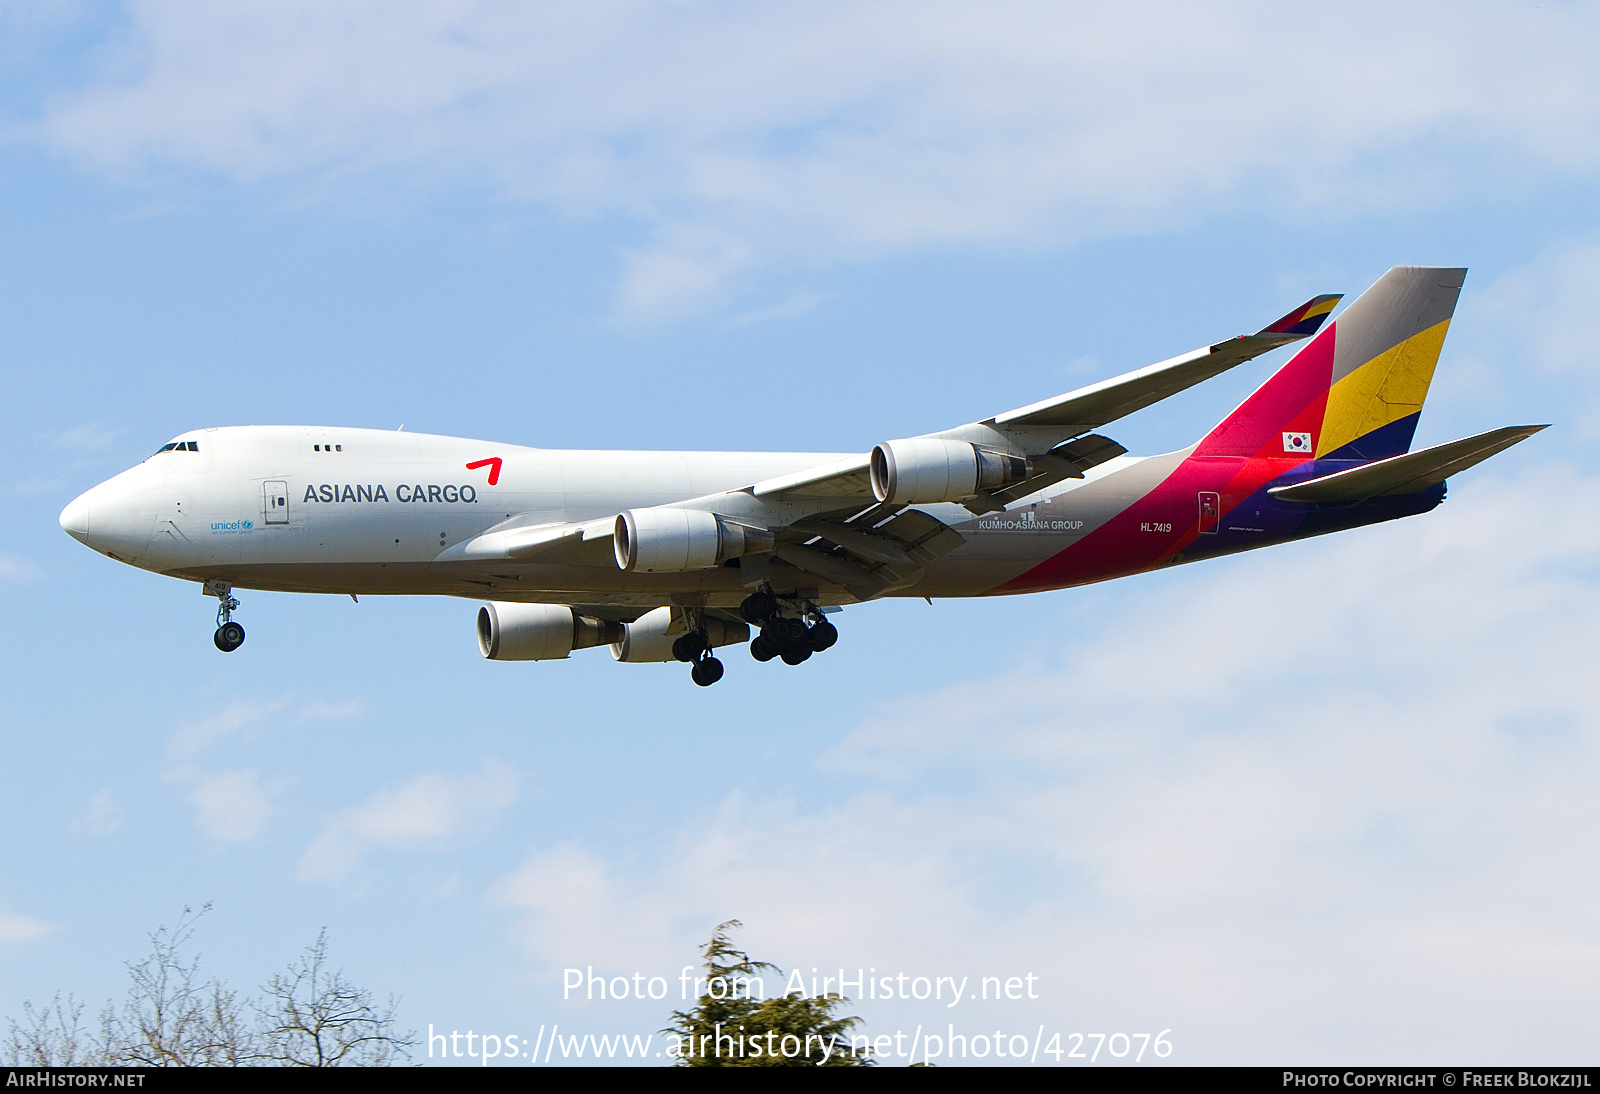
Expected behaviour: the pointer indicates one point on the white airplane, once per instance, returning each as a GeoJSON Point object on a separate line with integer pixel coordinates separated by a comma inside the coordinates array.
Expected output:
{"type": "Point", "coordinates": [669, 555]}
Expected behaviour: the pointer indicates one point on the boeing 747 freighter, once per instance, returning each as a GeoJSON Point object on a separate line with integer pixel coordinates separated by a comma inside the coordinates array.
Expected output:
{"type": "Point", "coordinates": [672, 555]}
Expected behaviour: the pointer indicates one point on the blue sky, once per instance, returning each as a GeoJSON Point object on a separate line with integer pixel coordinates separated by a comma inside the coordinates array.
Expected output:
{"type": "Point", "coordinates": [1329, 802]}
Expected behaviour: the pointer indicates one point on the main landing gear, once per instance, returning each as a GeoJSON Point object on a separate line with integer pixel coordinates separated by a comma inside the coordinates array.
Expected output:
{"type": "Point", "coordinates": [229, 636]}
{"type": "Point", "coordinates": [793, 638]}
{"type": "Point", "coordinates": [695, 648]}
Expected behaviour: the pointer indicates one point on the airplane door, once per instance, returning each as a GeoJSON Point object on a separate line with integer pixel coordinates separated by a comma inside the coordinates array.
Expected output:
{"type": "Point", "coordinates": [1210, 512]}
{"type": "Point", "coordinates": [275, 501]}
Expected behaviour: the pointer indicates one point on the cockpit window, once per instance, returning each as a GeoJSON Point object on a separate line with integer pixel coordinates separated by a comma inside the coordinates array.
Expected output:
{"type": "Point", "coordinates": [178, 446]}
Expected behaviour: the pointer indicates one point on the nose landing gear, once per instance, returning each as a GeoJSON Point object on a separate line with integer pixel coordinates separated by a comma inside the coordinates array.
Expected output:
{"type": "Point", "coordinates": [229, 636]}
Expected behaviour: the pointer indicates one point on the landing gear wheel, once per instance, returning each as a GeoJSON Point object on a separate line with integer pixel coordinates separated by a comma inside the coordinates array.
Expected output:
{"type": "Point", "coordinates": [761, 649]}
{"type": "Point", "coordinates": [758, 607]}
{"type": "Point", "coordinates": [794, 657]}
{"type": "Point", "coordinates": [690, 646]}
{"type": "Point", "coordinates": [229, 636]}
{"type": "Point", "coordinates": [822, 635]}
{"type": "Point", "coordinates": [706, 672]}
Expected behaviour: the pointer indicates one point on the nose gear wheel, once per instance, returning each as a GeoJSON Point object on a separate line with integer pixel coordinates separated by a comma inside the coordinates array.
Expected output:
{"type": "Point", "coordinates": [229, 636]}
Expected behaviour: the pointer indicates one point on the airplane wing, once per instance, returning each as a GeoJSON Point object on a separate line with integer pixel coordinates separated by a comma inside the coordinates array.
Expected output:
{"type": "Point", "coordinates": [846, 478]}
{"type": "Point", "coordinates": [1091, 407]}
{"type": "Point", "coordinates": [1405, 474]}
{"type": "Point", "coordinates": [878, 550]}
{"type": "Point", "coordinates": [828, 520]}
{"type": "Point", "coordinates": [573, 544]}
{"type": "Point", "coordinates": [1051, 433]}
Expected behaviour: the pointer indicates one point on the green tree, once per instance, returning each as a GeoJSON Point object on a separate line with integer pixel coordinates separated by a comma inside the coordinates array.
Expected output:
{"type": "Point", "coordinates": [733, 1025]}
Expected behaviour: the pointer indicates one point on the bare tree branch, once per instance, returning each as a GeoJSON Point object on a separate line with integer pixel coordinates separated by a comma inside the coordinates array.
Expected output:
{"type": "Point", "coordinates": [320, 1019]}
{"type": "Point", "coordinates": [52, 1037]}
{"type": "Point", "coordinates": [309, 1016]}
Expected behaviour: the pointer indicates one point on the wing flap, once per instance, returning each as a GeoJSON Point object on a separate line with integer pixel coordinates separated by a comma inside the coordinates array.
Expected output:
{"type": "Point", "coordinates": [1407, 474]}
{"type": "Point", "coordinates": [873, 548]}
{"type": "Point", "coordinates": [1065, 461]}
{"type": "Point", "coordinates": [889, 556]}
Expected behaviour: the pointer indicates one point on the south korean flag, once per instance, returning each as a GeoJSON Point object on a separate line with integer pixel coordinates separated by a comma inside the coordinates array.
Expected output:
{"type": "Point", "coordinates": [1297, 443]}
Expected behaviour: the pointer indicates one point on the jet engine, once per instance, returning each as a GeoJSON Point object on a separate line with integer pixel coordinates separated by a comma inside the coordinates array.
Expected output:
{"type": "Point", "coordinates": [539, 632]}
{"type": "Point", "coordinates": [666, 540]}
{"type": "Point", "coordinates": [646, 638]}
{"type": "Point", "coordinates": [924, 470]}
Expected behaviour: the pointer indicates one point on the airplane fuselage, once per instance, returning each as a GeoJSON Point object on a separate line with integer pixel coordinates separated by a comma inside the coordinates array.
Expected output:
{"type": "Point", "coordinates": [670, 555]}
{"type": "Point", "coordinates": [330, 510]}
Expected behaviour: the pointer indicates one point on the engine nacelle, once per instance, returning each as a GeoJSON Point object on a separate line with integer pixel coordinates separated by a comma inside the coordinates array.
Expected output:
{"type": "Point", "coordinates": [924, 470]}
{"type": "Point", "coordinates": [667, 540]}
{"type": "Point", "coordinates": [539, 632]}
{"type": "Point", "coordinates": [646, 638]}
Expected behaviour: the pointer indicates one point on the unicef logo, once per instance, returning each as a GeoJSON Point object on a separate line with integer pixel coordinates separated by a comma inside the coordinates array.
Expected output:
{"type": "Point", "coordinates": [246, 525]}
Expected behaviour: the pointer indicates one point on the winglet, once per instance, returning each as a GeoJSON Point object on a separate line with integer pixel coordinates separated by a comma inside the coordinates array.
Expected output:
{"type": "Point", "coordinates": [1304, 320]}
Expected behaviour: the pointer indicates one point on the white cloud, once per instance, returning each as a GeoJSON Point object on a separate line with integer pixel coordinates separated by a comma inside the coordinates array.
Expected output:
{"type": "Point", "coordinates": [194, 737]}
{"type": "Point", "coordinates": [576, 907]}
{"type": "Point", "coordinates": [15, 927]}
{"type": "Point", "coordinates": [1542, 314]}
{"type": "Point", "coordinates": [83, 438]}
{"type": "Point", "coordinates": [1327, 802]}
{"type": "Point", "coordinates": [245, 716]}
{"type": "Point", "coordinates": [424, 813]}
{"type": "Point", "coordinates": [739, 136]}
{"type": "Point", "coordinates": [234, 805]}
{"type": "Point", "coordinates": [13, 568]}
{"type": "Point", "coordinates": [103, 816]}
{"type": "Point", "coordinates": [231, 805]}
{"type": "Point", "coordinates": [320, 710]}
{"type": "Point", "coordinates": [797, 302]}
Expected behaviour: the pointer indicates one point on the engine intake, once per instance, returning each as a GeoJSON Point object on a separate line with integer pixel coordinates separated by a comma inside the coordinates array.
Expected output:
{"type": "Point", "coordinates": [667, 540]}
{"type": "Point", "coordinates": [924, 470]}
{"type": "Point", "coordinates": [539, 632]}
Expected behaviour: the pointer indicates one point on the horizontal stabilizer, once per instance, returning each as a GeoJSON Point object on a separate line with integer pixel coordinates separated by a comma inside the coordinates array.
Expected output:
{"type": "Point", "coordinates": [1408, 474]}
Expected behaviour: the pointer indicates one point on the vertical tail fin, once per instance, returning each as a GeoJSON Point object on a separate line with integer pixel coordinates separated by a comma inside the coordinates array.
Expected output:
{"type": "Point", "coordinates": [1356, 390]}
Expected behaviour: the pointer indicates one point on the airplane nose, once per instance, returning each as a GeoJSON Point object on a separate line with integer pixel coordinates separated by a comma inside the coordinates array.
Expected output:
{"type": "Point", "coordinates": [75, 518]}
